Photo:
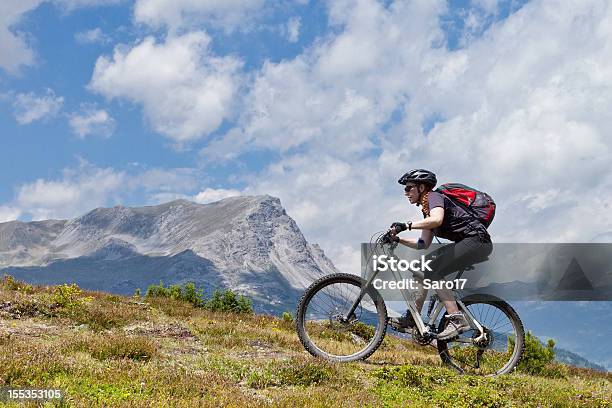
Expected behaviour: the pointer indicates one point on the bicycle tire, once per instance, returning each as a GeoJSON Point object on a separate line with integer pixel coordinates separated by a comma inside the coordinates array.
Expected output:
{"type": "Point", "coordinates": [512, 316]}
{"type": "Point", "coordinates": [319, 285]}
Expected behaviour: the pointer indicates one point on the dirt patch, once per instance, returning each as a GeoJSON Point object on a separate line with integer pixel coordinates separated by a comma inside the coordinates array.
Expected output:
{"type": "Point", "coordinates": [160, 330]}
{"type": "Point", "coordinates": [262, 350]}
{"type": "Point", "coordinates": [27, 328]}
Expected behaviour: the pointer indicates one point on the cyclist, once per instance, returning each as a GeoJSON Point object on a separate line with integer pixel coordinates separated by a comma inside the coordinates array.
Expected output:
{"type": "Point", "coordinates": [442, 218]}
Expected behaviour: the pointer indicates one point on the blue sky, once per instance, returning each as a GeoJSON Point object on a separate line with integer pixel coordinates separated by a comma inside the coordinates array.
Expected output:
{"type": "Point", "coordinates": [106, 102]}
{"type": "Point", "coordinates": [43, 148]}
{"type": "Point", "coordinates": [323, 104]}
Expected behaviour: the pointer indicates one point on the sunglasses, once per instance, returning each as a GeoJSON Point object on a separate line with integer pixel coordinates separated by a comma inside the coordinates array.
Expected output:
{"type": "Point", "coordinates": [408, 188]}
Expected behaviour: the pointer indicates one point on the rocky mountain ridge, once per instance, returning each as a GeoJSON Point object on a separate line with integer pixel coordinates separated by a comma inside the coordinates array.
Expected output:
{"type": "Point", "coordinates": [245, 243]}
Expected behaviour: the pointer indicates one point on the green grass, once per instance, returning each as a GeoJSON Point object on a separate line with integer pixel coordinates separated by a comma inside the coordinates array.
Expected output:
{"type": "Point", "coordinates": [115, 346]}
{"type": "Point", "coordinates": [108, 350]}
{"type": "Point", "coordinates": [294, 372]}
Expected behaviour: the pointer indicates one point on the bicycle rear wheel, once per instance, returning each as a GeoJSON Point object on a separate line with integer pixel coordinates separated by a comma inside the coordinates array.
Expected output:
{"type": "Point", "coordinates": [498, 351]}
{"type": "Point", "coordinates": [322, 324]}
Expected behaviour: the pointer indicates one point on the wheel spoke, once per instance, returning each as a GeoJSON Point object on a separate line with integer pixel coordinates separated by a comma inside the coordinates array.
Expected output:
{"type": "Point", "coordinates": [325, 329]}
{"type": "Point", "coordinates": [492, 354]}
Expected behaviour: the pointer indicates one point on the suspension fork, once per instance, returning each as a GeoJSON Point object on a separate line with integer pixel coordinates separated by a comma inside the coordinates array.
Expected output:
{"type": "Point", "coordinates": [364, 289]}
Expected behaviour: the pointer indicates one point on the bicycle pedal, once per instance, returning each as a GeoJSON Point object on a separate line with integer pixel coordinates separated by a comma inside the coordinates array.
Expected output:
{"type": "Point", "coordinates": [398, 327]}
{"type": "Point", "coordinates": [401, 329]}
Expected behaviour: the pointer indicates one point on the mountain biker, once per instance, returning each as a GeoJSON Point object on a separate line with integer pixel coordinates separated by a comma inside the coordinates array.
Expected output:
{"type": "Point", "coordinates": [442, 218]}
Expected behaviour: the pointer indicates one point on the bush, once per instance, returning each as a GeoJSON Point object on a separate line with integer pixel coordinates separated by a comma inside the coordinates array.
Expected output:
{"type": "Point", "coordinates": [193, 295]}
{"type": "Point", "coordinates": [157, 290]}
{"type": "Point", "coordinates": [228, 301]}
{"type": "Point", "coordinates": [11, 284]}
{"type": "Point", "coordinates": [69, 296]}
{"type": "Point", "coordinates": [365, 331]}
{"type": "Point", "coordinates": [287, 317]}
{"type": "Point", "coordinates": [536, 356]}
{"type": "Point", "coordinates": [221, 300]}
{"type": "Point", "coordinates": [188, 293]}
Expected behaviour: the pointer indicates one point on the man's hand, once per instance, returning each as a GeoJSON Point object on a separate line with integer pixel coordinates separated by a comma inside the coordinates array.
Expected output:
{"type": "Point", "coordinates": [389, 238]}
{"type": "Point", "coordinates": [399, 227]}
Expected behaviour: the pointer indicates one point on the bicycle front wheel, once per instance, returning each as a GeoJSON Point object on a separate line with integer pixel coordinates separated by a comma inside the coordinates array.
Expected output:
{"type": "Point", "coordinates": [324, 328]}
{"type": "Point", "coordinates": [495, 352]}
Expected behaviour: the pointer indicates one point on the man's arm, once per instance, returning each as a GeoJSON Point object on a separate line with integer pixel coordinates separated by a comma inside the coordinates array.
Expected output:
{"type": "Point", "coordinates": [435, 219]}
{"type": "Point", "coordinates": [426, 237]}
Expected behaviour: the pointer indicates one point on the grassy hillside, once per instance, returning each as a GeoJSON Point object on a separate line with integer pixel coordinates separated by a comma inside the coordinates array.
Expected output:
{"type": "Point", "coordinates": [107, 350]}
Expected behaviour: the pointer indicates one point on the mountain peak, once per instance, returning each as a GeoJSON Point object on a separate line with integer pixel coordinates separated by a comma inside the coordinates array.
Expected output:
{"type": "Point", "coordinates": [248, 243]}
{"type": "Point", "coordinates": [262, 198]}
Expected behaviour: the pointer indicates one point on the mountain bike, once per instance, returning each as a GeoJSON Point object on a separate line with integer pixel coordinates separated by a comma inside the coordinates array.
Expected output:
{"type": "Point", "coordinates": [342, 317]}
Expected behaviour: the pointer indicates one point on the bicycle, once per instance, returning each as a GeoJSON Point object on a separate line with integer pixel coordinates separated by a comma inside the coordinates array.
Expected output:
{"type": "Point", "coordinates": [342, 317]}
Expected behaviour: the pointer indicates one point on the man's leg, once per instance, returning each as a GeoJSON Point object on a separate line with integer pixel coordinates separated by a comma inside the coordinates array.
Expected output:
{"type": "Point", "coordinates": [464, 253]}
{"type": "Point", "coordinates": [420, 293]}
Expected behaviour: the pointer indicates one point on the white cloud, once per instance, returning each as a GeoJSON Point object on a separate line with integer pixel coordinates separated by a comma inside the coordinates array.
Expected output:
{"type": "Point", "coordinates": [93, 36]}
{"type": "Point", "coordinates": [176, 181]}
{"type": "Point", "coordinates": [293, 29]}
{"type": "Point", "coordinates": [30, 107]}
{"type": "Point", "coordinates": [14, 49]}
{"type": "Point", "coordinates": [337, 95]}
{"type": "Point", "coordinates": [8, 213]}
{"type": "Point", "coordinates": [524, 115]}
{"type": "Point", "coordinates": [86, 187]}
{"type": "Point", "coordinates": [91, 121]}
{"type": "Point", "coordinates": [227, 14]}
{"type": "Point", "coordinates": [209, 195]}
{"type": "Point", "coordinates": [70, 196]}
{"type": "Point", "coordinates": [185, 91]}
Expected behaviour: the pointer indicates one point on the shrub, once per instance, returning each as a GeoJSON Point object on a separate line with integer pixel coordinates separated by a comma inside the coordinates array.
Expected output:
{"type": "Point", "coordinates": [366, 332]}
{"type": "Point", "coordinates": [193, 295]}
{"type": "Point", "coordinates": [69, 296]}
{"type": "Point", "coordinates": [157, 290]}
{"type": "Point", "coordinates": [188, 293]}
{"type": "Point", "coordinates": [221, 300]}
{"type": "Point", "coordinates": [175, 292]}
{"type": "Point", "coordinates": [287, 317]}
{"type": "Point", "coordinates": [30, 307]}
{"type": "Point", "coordinates": [228, 301]}
{"type": "Point", "coordinates": [27, 364]}
{"type": "Point", "coordinates": [536, 356]}
{"type": "Point", "coordinates": [11, 284]}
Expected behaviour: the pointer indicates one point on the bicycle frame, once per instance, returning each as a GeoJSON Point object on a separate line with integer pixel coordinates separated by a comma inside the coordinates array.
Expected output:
{"type": "Point", "coordinates": [422, 326]}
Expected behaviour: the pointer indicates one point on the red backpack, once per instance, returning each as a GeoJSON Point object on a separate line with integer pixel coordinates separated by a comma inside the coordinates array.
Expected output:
{"type": "Point", "coordinates": [477, 203]}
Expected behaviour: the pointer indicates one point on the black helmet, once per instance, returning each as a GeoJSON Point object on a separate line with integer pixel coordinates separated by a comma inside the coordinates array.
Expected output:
{"type": "Point", "coordinates": [419, 176]}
